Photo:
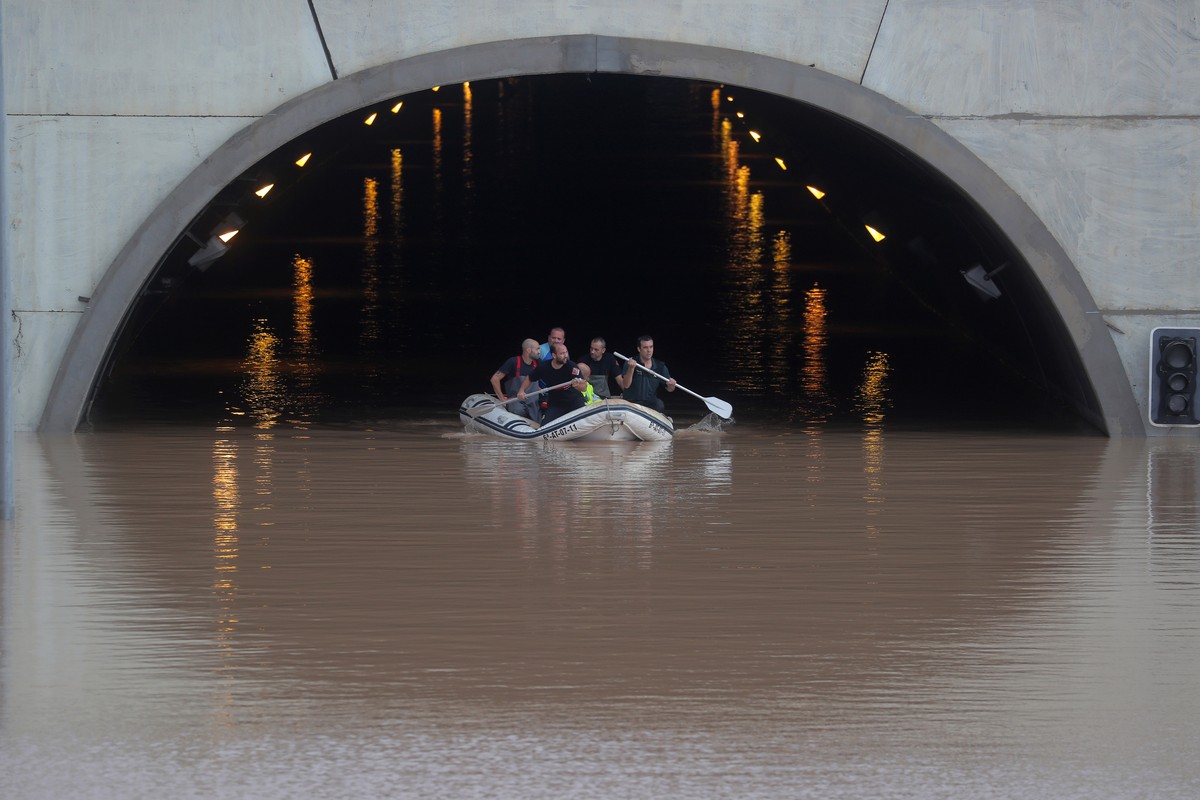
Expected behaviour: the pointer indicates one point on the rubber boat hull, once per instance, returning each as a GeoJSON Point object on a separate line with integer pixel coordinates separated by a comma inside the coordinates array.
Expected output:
{"type": "Point", "coordinates": [610, 420]}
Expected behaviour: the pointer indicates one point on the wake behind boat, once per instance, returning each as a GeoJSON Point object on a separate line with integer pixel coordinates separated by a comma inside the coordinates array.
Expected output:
{"type": "Point", "coordinates": [610, 420]}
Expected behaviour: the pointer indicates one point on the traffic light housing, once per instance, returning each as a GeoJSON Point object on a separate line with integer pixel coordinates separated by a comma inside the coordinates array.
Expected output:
{"type": "Point", "coordinates": [1173, 361]}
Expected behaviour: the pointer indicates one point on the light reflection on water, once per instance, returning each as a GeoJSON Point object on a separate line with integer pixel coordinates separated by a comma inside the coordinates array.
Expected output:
{"type": "Point", "coordinates": [418, 612]}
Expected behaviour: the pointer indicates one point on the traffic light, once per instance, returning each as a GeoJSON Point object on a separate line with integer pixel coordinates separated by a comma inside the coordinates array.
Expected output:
{"type": "Point", "coordinates": [1173, 376]}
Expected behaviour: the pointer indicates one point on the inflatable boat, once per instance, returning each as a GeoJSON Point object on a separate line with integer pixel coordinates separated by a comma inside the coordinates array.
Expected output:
{"type": "Point", "coordinates": [611, 420]}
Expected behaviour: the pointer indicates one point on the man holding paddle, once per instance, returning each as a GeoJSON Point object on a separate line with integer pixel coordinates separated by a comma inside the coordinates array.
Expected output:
{"type": "Point", "coordinates": [565, 380]}
{"type": "Point", "coordinates": [512, 372]}
{"type": "Point", "coordinates": [639, 386]}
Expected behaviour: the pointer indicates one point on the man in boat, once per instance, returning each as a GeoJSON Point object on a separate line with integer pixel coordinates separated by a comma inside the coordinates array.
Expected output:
{"type": "Point", "coordinates": [557, 336]}
{"type": "Point", "coordinates": [559, 369]}
{"type": "Point", "coordinates": [602, 368]}
{"type": "Point", "coordinates": [513, 372]}
{"type": "Point", "coordinates": [641, 387]}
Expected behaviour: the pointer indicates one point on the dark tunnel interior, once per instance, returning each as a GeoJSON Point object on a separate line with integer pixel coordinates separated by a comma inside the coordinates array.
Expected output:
{"type": "Point", "coordinates": [407, 258]}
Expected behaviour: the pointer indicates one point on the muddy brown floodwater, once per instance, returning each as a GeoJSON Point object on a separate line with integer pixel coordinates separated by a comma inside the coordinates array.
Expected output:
{"type": "Point", "coordinates": [750, 613]}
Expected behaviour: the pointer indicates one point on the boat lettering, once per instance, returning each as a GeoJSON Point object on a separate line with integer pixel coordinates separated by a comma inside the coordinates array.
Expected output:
{"type": "Point", "coordinates": [561, 431]}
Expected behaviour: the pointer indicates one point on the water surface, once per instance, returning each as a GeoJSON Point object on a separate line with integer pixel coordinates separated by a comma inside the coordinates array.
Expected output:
{"type": "Point", "coordinates": [410, 611]}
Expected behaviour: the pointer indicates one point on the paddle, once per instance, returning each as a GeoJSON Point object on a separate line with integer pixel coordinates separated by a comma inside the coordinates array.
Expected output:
{"type": "Point", "coordinates": [534, 394]}
{"type": "Point", "coordinates": [715, 404]}
{"type": "Point", "coordinates": [480, 410]}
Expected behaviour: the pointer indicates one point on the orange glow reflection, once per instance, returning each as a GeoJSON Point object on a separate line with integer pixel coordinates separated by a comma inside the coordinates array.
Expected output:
{"type": "Point", "coordinates": [749, 308]}
{"type": "Point", "coordinates": [872, 401]}
{"type": "Point", "coordinates": [304, 346]}
{"type": "Point", "coordinates": [468, 128]}
{"type": "Point", "coordinates": [780, 303]}
{"type": "Point", "coordinates": [302, 304]}
{"type": "Point", "coordinates": [815, 401]}
{"type": "Point", "coordinates": [397, 192]}
{"type": "Point", "coordinates": [262, 387]}
{"type": "Point", "coordinates": [437, 147]}
{"type": "Point", "coordinates": [872, 397]}
{"type": "Point", "coordinates": [371, 292]}
{"type": "Point", "coordinates": [226, 506]}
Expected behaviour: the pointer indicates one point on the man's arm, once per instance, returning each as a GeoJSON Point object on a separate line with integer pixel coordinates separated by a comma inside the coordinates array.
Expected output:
{"type": "Point", "coordinates": [625, 379]}
{"type": "Point", "coordinates": [666, 373]}
{"type": "Point", "coordinates": [496, 376]}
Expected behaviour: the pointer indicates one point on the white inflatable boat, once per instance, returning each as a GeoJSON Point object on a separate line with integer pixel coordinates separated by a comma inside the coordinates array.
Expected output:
{"type": "Point", "coordinates": [610, 420]}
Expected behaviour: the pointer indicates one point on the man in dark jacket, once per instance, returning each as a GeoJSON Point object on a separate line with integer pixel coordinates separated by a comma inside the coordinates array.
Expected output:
{"type": "Point", "coordinates": [640, 386]}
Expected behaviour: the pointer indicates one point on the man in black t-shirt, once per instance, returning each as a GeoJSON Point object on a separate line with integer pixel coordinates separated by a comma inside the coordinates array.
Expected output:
{"type": "Point", "coordinates": [559, 369]}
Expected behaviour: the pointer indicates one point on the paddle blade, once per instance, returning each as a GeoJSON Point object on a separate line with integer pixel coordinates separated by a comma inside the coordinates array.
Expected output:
{"type": "Point", "coordinates": [719, 407]}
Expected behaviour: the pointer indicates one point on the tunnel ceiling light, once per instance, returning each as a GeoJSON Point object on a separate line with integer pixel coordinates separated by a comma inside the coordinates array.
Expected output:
{"type": "Point", "coordinates": [729, 97]}
{"type": "Point", "coordinates": [396, 108]}
{"type": "Point", "coordinates": [740, 115]}
{"type": "Point", "coordinates": [782, 164]}
{"type": "Point", "coordinates": [371, 119]}
{"type": "Point", "coordinates": [266, 190]}
{"type": "Point", "coordinates": [228, 227]}
{"type": "Point", "coordinates": [875, 225]}
{"type": "Point", "coordinates": [756, 136]}
{"type": "Point", "coordinates": [302, 160]}
{"type": "Point", "coordinates": [215, 247]}
{"type": "Point", "coordinates": [817, 193]}
{"type": "Point", "coordinates": [435, 88]}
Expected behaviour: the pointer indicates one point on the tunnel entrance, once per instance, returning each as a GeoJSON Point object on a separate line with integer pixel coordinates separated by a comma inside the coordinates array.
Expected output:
{"type": "Point", "coordinates": [789, 260]}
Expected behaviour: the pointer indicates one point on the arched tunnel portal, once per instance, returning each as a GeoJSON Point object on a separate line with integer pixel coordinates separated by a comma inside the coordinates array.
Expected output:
{"type": "Point", "coordinates": [807, 237]}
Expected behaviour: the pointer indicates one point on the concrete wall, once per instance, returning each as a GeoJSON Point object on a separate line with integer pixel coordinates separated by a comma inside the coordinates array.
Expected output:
{"type": "Point", "coordinates": [1073, 122]}
{"type": "Point", "coordinates": [1089, 111]}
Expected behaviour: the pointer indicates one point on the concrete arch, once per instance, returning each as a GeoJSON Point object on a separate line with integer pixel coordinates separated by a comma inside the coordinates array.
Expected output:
{"type": "Point", "coordinates": [125, 277]}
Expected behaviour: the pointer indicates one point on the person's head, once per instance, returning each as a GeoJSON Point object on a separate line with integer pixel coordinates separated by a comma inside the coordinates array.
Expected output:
{"type": "Point", "coordinates": [646, 346]}
{"type": "Point", "coordinates": [529, 348]}
{"type": "Point", "coordinates": [597, 348]}
{"type": "Point", "coordinates": [558, 352]}
{"type": "Point", "coordinates": [556, 336]}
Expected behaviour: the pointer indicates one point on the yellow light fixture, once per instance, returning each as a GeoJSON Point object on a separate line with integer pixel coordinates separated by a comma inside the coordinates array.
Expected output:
{"type": "Point", "coordinates": [266, 190]}
{"type": "Point", "coordinates": [435, 88]}
{"type": "Point", "coordinates": [756, 136]}
{"type": "Point", "coordinates": [817, 193]}
{"type": "Point", "coordinates": [302, 160]}
{"type": "Point", "coordinates": [875, 234]}
{"type": "Point", "coordinates": [466, 84]}
{"type": "Point", "coordinates": [781, 163]}
{"type": "Point", "coordinates": [729, 97]}
{"type": "Point", "coordinates": [396, 108]}
{"type": "Point", "coordinates": [740, 115]}
{"type": "Point", "coordinates": [214, 247]}
{"type": "Point", "coordinates": [371, 119]}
